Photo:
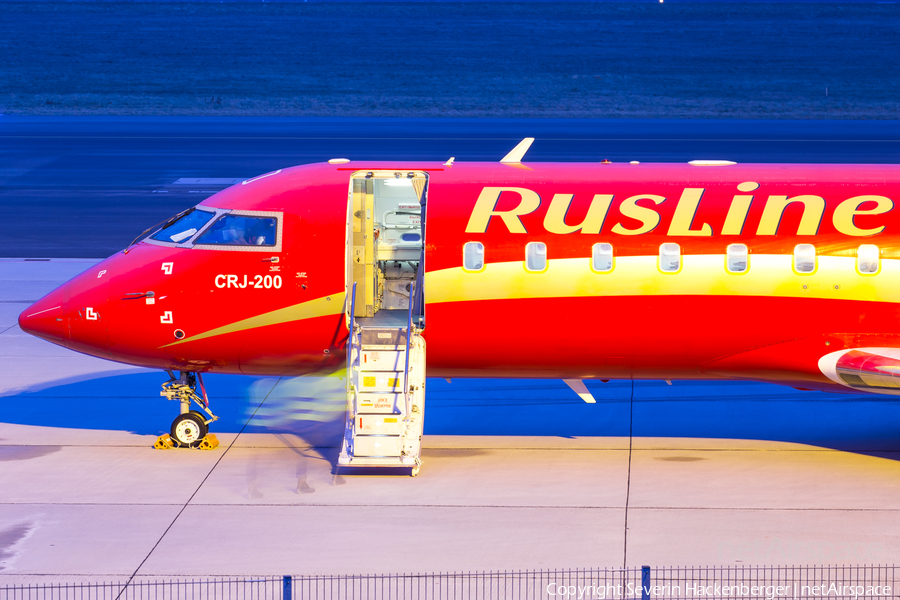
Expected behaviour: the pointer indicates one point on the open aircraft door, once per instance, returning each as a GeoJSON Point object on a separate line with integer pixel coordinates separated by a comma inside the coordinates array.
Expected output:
{"type": "Point", "coordinates": [385, 315]}
{"type": "Point", "coordinates": [385, 242]}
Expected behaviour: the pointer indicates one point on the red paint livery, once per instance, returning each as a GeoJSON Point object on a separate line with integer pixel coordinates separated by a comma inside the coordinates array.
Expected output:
{"type": "Point", "coordinates": [774, 320]}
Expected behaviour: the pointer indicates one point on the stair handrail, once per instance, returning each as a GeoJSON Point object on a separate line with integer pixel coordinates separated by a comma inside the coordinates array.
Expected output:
{"type": "Point", "coordinates": [412, 291]}
{"type": "Point", "coordinates": [352, 332]}
{"type": "Point", "coordinates": [353, 306]}
{"type": "Point", "coordinates": [347, 426]}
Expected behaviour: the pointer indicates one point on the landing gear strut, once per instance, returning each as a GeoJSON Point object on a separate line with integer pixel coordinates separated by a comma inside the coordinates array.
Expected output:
{"type": "Point", "coordinates": [190, 429]}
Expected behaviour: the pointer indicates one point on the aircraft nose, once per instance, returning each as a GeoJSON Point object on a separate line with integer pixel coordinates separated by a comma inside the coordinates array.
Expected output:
{"type": "Point", "coordinates": [46, 317]}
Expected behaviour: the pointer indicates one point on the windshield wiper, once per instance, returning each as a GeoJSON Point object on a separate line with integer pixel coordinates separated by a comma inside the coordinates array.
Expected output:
{"type": "Point", "coordinates": [158, 226]}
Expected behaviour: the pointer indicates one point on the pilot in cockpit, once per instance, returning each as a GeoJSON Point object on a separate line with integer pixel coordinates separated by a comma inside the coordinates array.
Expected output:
{"type": "Point", "coordinates": [259, 232]}
{"type": "Point", "coordinates": [239, 230]}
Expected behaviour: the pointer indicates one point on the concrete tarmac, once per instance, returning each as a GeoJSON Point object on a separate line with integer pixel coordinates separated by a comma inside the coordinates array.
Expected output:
{"type": "Point", "coordinates": [90, 499]}
{"type": "Point", "coordinates": [517, 475]}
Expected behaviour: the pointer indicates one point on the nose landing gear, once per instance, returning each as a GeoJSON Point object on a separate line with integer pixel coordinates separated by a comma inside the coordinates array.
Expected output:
{"type": "Point", "coordinates": [190, 429]}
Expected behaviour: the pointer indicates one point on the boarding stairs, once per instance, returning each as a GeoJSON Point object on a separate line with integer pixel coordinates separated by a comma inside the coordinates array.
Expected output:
{"type": "Point", "coordinates": [385, 394]}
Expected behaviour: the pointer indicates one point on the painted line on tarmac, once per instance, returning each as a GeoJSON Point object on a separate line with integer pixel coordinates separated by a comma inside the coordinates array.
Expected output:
{"type": "Point", "coordinates": [474, 139]}
{"type": "Point", "coordinates": [186, 504]}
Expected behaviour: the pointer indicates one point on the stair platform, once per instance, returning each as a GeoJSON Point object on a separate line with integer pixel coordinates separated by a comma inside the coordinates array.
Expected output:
{"type": "Point", "coordinates": [385, 394]}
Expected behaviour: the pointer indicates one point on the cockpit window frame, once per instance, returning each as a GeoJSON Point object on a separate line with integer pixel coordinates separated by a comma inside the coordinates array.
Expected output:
{"type": "Point", "coordinates": [177, 218]}
{"type": "Point", "coordinates": [279, 225]}
{"type": "Point", "coordinates": [217, 214]}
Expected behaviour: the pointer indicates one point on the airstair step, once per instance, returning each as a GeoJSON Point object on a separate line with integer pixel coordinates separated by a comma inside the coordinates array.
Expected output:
{"type": "Point", "coordinates": [383, 338]}
{"type": "Point", "coordinates": [380, 403]}
{"type": "Point", "coordinates": [377, 445]}
{"type": "Point", "coordinates": [381, 381]}
{"type": "Point", "coordinates": [379, 424]}
{"type": "Point", "coordinates": [382, 360]}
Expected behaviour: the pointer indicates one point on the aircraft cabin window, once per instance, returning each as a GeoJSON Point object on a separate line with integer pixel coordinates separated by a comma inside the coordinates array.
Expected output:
{"type": "Point", "coordinates": [602, 258]}
{"type": "Point", "coordinates": [473, 256]}
{"type": "Point", "coordinates": [536, 257]}
{"type": "Point", "coordinates": [184, 227]}
{"type": "Point", "coordinates": [867, 258]}
{"type": "Point", "coordinates": [737, 257]}
{"type": "Point", "coordinates": [669, 258]}
{"type": "Point", "coordinates": [241, 230]}
{"type": "Point", "coordinates": [804, 258]}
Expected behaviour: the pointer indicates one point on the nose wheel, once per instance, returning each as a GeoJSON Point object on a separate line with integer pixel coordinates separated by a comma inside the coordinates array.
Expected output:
{"type": "Point", "coordinates": [190, 429]}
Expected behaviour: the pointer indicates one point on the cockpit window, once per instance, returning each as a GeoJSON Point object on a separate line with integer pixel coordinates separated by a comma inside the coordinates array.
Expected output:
{"type": "Point", "coordinates": [184, 227]}
{"type": "Point", "coordinates": [240, 230]}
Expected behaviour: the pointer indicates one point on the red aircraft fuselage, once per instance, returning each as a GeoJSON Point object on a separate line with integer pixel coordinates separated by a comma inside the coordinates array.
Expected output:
{"type": "Point", "coordinates": [577, 271]}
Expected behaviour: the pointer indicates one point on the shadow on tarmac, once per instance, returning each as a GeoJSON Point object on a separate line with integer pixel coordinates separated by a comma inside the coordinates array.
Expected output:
{"type": "Point", "coordinates": [295, 407]}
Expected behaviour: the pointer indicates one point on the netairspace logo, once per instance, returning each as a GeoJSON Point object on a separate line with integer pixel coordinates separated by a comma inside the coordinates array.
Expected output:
{"type": "Point", "coordinates": [717, 590]}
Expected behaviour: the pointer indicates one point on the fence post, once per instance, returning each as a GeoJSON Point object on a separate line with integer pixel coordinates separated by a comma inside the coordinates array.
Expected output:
{"type": "Point", "coordinates": [645, 583]}
{"type": "Point", "coordinates": [286, 591]}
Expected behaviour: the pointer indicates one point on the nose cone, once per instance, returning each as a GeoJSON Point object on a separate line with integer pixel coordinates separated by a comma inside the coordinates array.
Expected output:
{"type": "Point", "coordinates": [46, 317]}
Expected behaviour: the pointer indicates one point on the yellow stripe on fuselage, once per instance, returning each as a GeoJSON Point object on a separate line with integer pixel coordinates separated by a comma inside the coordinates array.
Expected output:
{"type": "Point", "coordinates": [704, 274]}
{"type": "Point", "coordinates": [320, 307]}
{"type": "Point", "coordinates": [772, 275]}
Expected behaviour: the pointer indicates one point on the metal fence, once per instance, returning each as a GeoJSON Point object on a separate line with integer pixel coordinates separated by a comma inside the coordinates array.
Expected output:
{"type": "Point", "coordinates": [250, 588]}
{"type": "Point", "coordinates": [663, 583]}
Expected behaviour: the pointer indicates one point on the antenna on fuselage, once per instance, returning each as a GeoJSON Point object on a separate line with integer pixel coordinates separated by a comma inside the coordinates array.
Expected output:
{"type": "Point", "coordinates": [516, 154]}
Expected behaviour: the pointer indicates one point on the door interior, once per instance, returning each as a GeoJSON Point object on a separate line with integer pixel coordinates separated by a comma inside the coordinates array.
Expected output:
{"type": "Point", "coordinates": [385, 244]}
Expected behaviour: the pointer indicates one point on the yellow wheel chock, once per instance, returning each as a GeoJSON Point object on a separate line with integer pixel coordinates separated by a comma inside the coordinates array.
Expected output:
{"type": "Point", "coordinates": [209, 442]}
{"type": "Point", "coordinates": [165, 442]}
